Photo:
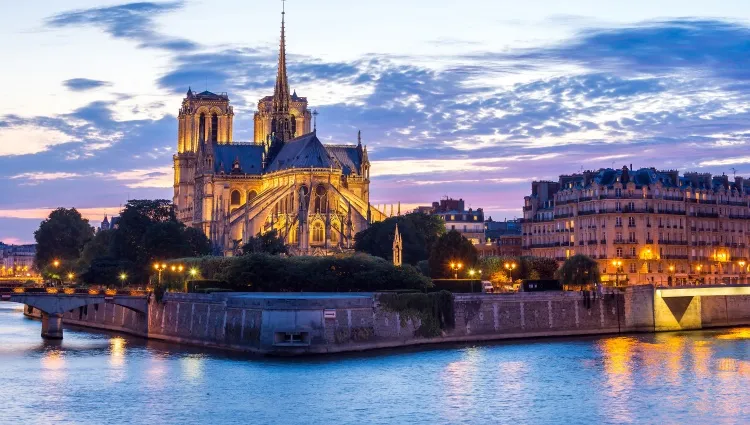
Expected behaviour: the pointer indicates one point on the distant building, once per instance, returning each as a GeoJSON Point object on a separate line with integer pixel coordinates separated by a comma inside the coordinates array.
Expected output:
{"type": "Point", "coordinates": [469, 223]}
{"type": "Point", "coordinates": [502, 238]}
{"type": "Point", "coordinates": [108, 224]}
{"type": "Point", "coordinates": [644, 226]}
{"type": "Point", "coordinates": [17, 260]}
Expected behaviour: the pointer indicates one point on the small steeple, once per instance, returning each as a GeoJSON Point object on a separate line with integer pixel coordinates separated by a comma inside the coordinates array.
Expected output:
{"type": "Point", "coordinates": [190, 92]}
{"type": "Point", "coordinates": [359, 138]}
{"type": "Point", "coordinates": [398, 248]}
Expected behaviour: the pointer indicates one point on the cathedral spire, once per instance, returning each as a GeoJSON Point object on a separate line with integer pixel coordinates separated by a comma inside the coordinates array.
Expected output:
{"type": "Point", "coordinates": [281, 91]}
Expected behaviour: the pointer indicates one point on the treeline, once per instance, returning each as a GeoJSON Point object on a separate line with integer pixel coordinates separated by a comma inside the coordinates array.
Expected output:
{"type": "Point", "coordinates": [147, 231]}
{"type": "Point", "coordinates": [273, 273]}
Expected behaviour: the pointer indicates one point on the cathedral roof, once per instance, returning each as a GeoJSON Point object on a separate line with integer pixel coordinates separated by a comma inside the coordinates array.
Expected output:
{"type": "Point", "coordinates": [209, 95]}
{"type": "Point", "coordinates": [250, 158]}
{"type": "Point", "coordinates": [347, 157]}
{"type": "Point", "coordinates": [303, 152]}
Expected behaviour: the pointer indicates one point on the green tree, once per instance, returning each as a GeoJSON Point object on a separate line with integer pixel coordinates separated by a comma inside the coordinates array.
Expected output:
{"type": "Point", "coordinates": [269, 243]}
{"type": "Point", "coordinates": [579, 271]}
{"type": "Point", "coordinates": [419, 233]}
{"type": "Point", "coordinates": [148, 230]}
{"type": "Point", "coordinates": [62, 237]}
{"type": "Point", "coordinates": [98, 247]}
{"type": "Point", "coordinates": [451, 247]}
{"type": "Point", "coordinates": [544, 267]}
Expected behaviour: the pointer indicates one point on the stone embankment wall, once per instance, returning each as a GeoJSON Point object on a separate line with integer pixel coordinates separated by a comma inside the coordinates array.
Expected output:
{"type": "Point", "coordinates": [323, 323]}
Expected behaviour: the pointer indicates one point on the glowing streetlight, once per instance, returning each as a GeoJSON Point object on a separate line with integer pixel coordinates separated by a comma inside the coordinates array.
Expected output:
{"type": "Point", "coordinates": [70, 277]}
{"type": "Point", "coordinates": [456, 267]}
{"type": "Point", "coordinates": [123, 278]}
{"type": "Point", "coordinates": [160, 268]}
{"type": "Point", "coordinates": [510, 267]}
{"type": "Point", "coordinates": [56, 263]}
{"type": "Point", "coordinates": [618, 267]}
{"type": "Point", "coordinates": [193, 272]}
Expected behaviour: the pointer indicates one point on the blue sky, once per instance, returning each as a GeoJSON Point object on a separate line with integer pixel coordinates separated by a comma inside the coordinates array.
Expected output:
{"type": "Point", "coordinates": [469, 100]}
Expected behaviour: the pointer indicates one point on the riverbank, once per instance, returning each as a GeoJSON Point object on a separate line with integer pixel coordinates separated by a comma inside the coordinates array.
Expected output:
{"type": "Point", "coordinates": [306, 323]}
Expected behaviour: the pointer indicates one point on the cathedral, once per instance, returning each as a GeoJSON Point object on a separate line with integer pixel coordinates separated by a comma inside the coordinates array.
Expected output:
{"type": "Point", "coordinates": [316, 196]}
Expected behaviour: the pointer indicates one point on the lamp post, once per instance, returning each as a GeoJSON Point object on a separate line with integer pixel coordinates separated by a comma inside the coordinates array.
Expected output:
{"type": "Point", "coordinates": [510, 267]}
{"type": "Point", "coordinates": [160, 268]}
{"type": "Point", "coordinates": [618, 267]}
{"type": "Point", "coordinates": [456, 267]}
{"type": "Point", "coordinates": [671, 275]}
{"type": "Point", "coordinates": [742, 269]}
{"type": "Point", "coordinates": [123, 278]}
{"type": "Point", "coordinates": [699, 268]}
{"type": "Point", "coordinates": [70, 277]}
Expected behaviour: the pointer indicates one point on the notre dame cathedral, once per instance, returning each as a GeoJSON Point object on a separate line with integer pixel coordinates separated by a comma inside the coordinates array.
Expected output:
{"type": "Point", "coordinates": [316, 196]}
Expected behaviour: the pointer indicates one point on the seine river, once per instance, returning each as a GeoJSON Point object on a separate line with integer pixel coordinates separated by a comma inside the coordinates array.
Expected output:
{"type": "Point", "coordinates": [102, 378]}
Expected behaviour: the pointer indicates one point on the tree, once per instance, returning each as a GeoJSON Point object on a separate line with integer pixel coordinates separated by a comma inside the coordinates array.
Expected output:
{"type": "Point", "coordinates": [135, 220]}
{"type": "Point", "coordinates": [269, 243]}
{"type": "Point", "coordinates": [61, 237]}
{"type": "Point", "coordinates": [98, 247]}
{"type": "Point", "coordinates": [579, 271]}
{"type": "Point", "coordinates": [544, 267]}
{"type": "Point", "coordinates": [148, 230]}
{"type": "Point", "coordinates": [451, 247]}
{"type": "Point", "coordinates": [419, 233]}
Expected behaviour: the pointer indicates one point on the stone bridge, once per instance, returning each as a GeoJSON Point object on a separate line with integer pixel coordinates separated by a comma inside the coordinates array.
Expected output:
{"type": "Point", "coordinates": [699, 307]}
{"type": "Point", "coordinates": [54, 303]}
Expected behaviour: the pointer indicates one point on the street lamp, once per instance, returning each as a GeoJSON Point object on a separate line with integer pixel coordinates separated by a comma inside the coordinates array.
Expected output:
{"type": "Point", "coordinates": [56, 263]}
{"type": "Point", "coordinates": [70, 277]}
{"type": "Point", "coordinates": [160, 268]}
{"type": "Point", "coordinates": [671, 275]}
{"type": "Point", "coordinates": [510, 267]}
{"type": "Point", "coordinates": [618, 267]}
{"type": "Point", "coordinates": [456, 267]}
{"type": "Point", "coordinates": [742, 269]}
{"type": "Point", "coordinates": [123, 278]}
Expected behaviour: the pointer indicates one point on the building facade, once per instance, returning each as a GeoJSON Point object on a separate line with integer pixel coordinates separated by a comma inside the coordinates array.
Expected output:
{"type": "Point", "coordinates": [17, 260]}
{"type": "Point", "coordinates": [502, 239]}
{"type": "Point", "coordinates": [317, 197]}
{"type": "Point", "coordinates": [645, 225]}
{"type": "Point", "coordinates": [469, 223]}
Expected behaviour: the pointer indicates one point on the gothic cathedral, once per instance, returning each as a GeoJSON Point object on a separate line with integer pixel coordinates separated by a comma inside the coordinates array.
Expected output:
{"type": "Point", "coordinates": [317, 197]}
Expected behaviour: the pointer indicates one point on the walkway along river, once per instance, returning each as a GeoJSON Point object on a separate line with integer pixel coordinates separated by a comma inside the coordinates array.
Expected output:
{"type": "Point", "coordinates": [93, 378]}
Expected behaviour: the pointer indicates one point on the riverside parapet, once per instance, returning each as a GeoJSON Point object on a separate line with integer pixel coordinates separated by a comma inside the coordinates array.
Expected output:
{"type": "Point", "coordinates": [307, 323]}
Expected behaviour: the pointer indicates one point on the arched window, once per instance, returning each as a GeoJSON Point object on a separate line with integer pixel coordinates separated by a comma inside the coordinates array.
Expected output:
{"type": "Point", "coordinates": [321, 200]}
{"type": "Point", "coordinates": [235, 198]}
{"type": "Point", "coordinates": [334, 236]}
{"type": "Point", "coordinates": [305, 199]}
{"type": "Point", "coordinates": [251, 195]}
{"type": "Point", "coordinates": [202, 128]}
{"type": "Point", "coordinates": [214, 128]}
{"type": "Point", "coordinates": [294, 126]}
{"type": "Point", "coordinates": [317, 232]}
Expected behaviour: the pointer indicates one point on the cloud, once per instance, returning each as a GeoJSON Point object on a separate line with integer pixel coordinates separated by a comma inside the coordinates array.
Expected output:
{"type": "Point", "coordinates": [131, 21]}
{"type": "Point", "coordinates": [692, 46]}
{"type": "Point", "coordinates": [29, 139]}
{"type": "Point", "coordinates": [84, 84]}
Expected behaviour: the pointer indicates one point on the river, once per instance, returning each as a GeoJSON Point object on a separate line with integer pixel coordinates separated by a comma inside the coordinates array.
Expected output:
{"type": "Point", "coordinates": [105, 378]}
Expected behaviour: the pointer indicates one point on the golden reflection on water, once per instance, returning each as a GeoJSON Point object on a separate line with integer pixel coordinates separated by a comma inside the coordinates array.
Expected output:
{"type": "Point", "coordinates": [735, 334]}
{"type": "Point", "coordinates": [53, 365]}
{"type": "Point", "coordinates": [117, 352]}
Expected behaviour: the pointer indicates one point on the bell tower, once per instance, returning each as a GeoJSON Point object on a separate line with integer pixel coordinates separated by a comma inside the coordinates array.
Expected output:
{"type": "Point", "coordinates": [204, 118]}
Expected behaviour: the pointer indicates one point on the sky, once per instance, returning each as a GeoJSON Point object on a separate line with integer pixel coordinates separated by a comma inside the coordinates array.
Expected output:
{"type": "Point", "coordinates": [468, 100]}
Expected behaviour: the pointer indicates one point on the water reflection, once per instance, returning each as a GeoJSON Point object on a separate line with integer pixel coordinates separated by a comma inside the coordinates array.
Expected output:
{"type": "Point", "coordinates": [692, 377]}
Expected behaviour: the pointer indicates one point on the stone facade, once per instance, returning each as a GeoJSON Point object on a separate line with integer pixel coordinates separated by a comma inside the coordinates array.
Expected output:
{"type": "Point", "coordinates": [644, 226]}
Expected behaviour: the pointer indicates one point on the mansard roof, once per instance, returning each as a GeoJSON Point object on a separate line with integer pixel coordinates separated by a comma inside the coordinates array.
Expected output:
{"type": "Point", "coordinates": [643, 177]}
{"type": "Point", "coordinates": [250, 157]}
{"type": "Point", "coordinates": [305, 151]}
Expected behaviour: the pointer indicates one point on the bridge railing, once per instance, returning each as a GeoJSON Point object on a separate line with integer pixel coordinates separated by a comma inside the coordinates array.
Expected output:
{"type": "Point", "coordinates": [76, 291]}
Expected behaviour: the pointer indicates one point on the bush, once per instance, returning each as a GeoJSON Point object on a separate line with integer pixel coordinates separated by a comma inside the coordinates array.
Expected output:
{"type": "Point", "coordinates": [457, 285]}
{"type": "Point", "coordinates": [267, 273]}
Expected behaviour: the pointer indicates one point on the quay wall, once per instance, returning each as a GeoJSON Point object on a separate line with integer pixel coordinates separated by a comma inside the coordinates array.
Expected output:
{"type": "Point", "coordinates": [291, 324]}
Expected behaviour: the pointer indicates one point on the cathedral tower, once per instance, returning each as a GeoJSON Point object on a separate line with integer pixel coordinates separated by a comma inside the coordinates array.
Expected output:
{"type": "Point", "coordinates": [282, 116]}
{"type": "Point", "coordinates": [203, 118]}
